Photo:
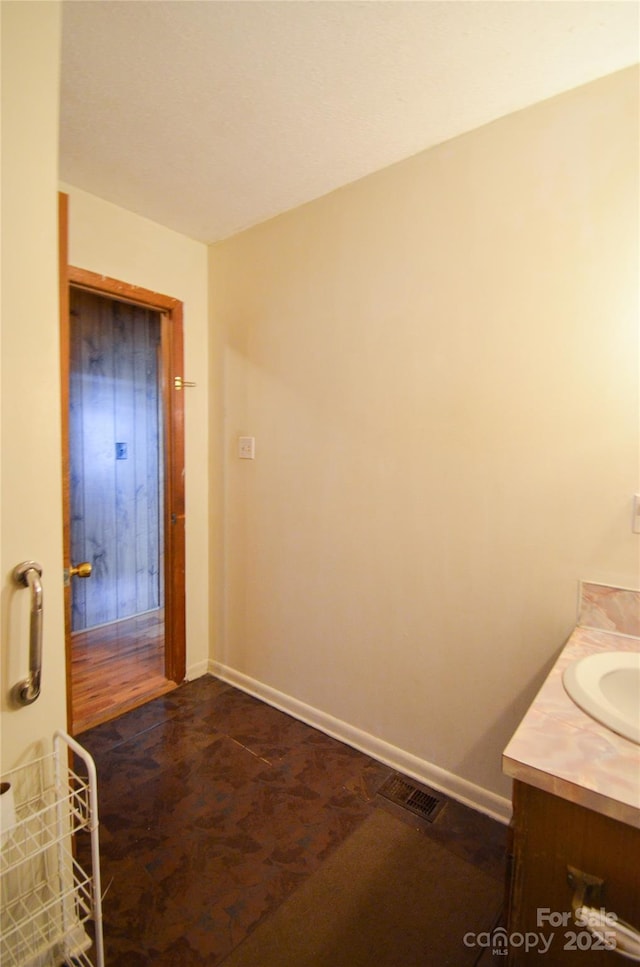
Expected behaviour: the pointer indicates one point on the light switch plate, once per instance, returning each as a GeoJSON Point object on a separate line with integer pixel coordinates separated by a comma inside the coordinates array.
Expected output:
{"type": "Point", "coordinates": [246, 447]}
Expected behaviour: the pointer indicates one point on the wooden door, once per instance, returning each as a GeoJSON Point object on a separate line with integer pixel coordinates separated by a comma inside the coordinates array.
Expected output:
{"type": "Point", "coordinates": [166, 315]}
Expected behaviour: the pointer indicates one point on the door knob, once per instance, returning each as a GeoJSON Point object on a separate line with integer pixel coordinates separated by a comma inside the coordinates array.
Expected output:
{"type": "Point", "coordinates": [82, 570]}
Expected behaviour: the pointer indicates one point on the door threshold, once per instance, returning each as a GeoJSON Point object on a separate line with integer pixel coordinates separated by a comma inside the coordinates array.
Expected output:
{"type": "Point", "coordinates": [119, 708]}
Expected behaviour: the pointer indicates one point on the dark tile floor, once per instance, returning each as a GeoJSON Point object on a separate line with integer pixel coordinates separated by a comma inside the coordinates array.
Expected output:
{"type": "Point", "coordinates": [215, 807]}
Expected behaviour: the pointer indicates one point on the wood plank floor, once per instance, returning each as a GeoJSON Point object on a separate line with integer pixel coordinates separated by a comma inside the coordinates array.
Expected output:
{"type": "Point", "coordinates": [117, 668]}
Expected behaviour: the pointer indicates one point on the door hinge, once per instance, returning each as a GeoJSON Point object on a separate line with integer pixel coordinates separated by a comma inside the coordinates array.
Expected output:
{"type": "Point", "coordinates": [180, 383]}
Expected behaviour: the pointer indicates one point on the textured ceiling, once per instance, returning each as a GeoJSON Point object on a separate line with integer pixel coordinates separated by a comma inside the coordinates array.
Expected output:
{"type": "Point", "coordinates": [209, 116]}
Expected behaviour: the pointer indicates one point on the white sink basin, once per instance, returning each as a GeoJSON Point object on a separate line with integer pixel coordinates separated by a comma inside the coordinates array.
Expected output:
{"type": "Point", "coordinates": [607, 687]}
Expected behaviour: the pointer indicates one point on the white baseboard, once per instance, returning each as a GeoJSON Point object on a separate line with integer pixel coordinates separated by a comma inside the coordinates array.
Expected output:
{"type": "Point", "coordinates": [497, 807]}
{"type": "Point", "coordinates": [200, 668]}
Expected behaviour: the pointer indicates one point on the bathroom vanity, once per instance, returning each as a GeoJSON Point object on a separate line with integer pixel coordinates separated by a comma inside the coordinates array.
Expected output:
{"type": "Point", "coordinates": [574, 883]}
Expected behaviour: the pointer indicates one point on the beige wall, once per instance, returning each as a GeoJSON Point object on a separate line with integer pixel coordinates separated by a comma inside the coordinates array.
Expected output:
{"type": "Point", "coordinates": [440, 366]}
{"type": "Point", "coordinates": [107, 239]}
{"type": "Point", "coordinates": [30, 475]}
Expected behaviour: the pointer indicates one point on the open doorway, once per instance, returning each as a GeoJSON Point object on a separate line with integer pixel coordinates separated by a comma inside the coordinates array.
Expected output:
{"type": "Point", "coordinates": [116, 496]}
{"type": "Point", "coordinates": [123, 470]}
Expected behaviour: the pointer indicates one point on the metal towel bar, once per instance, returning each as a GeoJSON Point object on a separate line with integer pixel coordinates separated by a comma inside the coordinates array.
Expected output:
{"type": "Point", "coordinates": [28, 575]}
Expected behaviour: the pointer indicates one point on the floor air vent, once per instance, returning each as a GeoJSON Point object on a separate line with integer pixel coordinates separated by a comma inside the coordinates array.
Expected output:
{"type": "Point", "coordinates": [408, 794]}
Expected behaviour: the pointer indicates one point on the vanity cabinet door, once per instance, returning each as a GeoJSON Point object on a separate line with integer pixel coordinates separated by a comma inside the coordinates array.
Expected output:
{"type": "Point", "coordinates": [549, 836]}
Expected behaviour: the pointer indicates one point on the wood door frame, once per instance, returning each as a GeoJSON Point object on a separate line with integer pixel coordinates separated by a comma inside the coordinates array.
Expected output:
{"type": "Point", "coordinates": [172, 347]}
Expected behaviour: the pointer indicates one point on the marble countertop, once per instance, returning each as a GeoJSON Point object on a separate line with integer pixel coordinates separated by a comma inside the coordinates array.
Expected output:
{"type": "Point", "coordinates": [561, 749]}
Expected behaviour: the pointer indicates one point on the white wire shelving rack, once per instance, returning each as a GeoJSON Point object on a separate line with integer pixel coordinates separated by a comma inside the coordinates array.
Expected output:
{"type": "Point", "coordinates": [50, 901]}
